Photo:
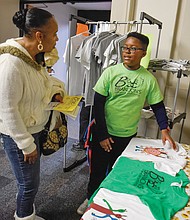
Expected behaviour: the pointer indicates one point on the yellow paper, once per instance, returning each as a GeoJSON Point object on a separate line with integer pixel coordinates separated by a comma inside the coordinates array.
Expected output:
{"type": "Point", "coordinates": [69, 104]}
{"type": "Point", "coordinates": [73, 114]}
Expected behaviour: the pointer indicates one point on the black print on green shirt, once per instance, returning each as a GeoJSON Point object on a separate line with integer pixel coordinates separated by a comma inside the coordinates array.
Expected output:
{"type": "Point", "coordinates": [124, 84]}
{"type": "Point", "coordinates": [149, 179]}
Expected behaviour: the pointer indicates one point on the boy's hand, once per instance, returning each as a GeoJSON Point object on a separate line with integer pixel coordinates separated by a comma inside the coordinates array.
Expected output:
{"type": "Point", "coordinates": [166, 136]}
{"type": "Point", "coordinates": [106, 144]}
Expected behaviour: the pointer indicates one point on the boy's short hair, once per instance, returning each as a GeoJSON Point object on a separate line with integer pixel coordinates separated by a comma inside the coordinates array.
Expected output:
{"type": "Point", "coordinates": [144, 39]}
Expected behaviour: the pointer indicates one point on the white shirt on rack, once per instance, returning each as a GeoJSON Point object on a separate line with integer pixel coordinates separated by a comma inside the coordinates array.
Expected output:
{"type": "Point", "coordinates": [75, 69]}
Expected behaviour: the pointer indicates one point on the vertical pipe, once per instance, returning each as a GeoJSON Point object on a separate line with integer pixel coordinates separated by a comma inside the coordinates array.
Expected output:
{"type": "Point", "coordinates": [158, 43]}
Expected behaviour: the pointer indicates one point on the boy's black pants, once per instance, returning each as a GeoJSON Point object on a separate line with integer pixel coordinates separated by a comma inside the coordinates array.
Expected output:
{"type": "Point", "coordinates": [101, 161]}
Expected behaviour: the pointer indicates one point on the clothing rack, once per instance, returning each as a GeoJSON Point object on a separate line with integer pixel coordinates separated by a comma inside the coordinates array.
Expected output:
{"type": "Point", "coordinates": [78, 18]}
{"type": "Point", "coordinates": [179, 72]}
{"type": "Point", "coordinates": [151, 21]}
{"type": "Point", "coordinates": [82, 20]}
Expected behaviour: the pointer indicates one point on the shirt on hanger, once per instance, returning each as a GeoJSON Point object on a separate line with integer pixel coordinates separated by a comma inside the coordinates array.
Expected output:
{"type": "Point", "coordinates": [75, 69]}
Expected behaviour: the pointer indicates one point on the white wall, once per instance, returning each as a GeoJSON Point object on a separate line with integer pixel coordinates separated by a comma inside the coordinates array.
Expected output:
{"type": "Point", "coordinates": [122, 10]}
{"type": "Point", "coordinates": [7, 10]}
{"type": "Point", "coordinates": [158, 9]}
{"type": "Point", "coordinates": [62, 14]}
{"type": "Point", "coordinates": [174, 43]}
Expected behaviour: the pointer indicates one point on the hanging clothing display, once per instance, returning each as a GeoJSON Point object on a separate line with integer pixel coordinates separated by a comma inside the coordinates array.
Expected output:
{"type": "Point", "coordinates": [91, 56]}
{"type": "Point", "coordinates": [76, 70]}
{"type": "Point", "coordinates": [85, 56]}
{"type": "Point", "coordinates": [82, 29]}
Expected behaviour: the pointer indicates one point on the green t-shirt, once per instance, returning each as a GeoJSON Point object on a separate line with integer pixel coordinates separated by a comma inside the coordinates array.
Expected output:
{"type": "Point", "coordinates": [150, 185]}
{"type": "Point", "coordinates": [126, 91]}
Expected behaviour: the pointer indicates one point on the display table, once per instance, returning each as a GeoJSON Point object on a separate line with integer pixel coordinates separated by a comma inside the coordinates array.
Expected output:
{"type": "Point", "coordinates": [185, 212]}
{"type": "Point", "coordinates": [146, 183]}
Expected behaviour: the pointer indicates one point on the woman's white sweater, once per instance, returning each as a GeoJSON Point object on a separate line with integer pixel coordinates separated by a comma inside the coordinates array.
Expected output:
{"type": "Point", "coordinates": [24, 95]}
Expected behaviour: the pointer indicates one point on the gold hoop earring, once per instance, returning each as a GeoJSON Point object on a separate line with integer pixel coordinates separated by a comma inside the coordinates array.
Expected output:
{"type": "Point", "coordinates": [40, 46]}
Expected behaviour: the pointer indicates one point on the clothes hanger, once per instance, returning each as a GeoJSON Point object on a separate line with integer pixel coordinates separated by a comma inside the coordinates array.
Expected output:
{"type": "Point", "coordinates": [115, 27]}
{"type": "Point", "coordinates": [132, 25]}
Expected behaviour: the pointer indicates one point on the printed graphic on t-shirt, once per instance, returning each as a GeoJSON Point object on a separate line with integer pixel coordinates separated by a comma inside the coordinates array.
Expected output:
{"type": "Point", "coordinates": [125, 84]}
{"type": "Point", "coordinates": [158, 152]}
{"type": "Point", "coordinates": [151, 180]}
{"type": "Point", "coordinates": [97, 211]}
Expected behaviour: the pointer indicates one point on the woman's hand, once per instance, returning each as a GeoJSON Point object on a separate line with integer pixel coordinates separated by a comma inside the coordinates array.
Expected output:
{"type": "Point", "coordinates": [106, 144]}
{"type": "Point", "coordinates": [57, 98]}
{"type": "Point", "coordinates": [31, 158]}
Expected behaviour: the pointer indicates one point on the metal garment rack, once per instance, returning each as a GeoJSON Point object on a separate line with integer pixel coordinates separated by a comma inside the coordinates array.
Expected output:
{"type": "Point", "coordinates": [76, 162]}
{"type": "Point", "coordinates": [182, 116]}
{"type": "Point", "coordinates": [150, 21]}
{"type": "Point", "coordinates": [83, 20]}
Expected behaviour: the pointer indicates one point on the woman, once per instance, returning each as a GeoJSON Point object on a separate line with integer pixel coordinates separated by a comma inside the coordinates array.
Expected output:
{"type": "Point", "coordinates": [25, 90]}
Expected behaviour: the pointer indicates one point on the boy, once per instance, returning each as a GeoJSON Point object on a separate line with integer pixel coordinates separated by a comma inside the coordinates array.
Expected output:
{"type": "Point", "coordinates": [120, 94]}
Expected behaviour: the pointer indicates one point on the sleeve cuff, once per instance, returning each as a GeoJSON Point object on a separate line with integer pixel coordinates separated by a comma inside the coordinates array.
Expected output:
{"type": "Point", "coordinates": [29, 149]}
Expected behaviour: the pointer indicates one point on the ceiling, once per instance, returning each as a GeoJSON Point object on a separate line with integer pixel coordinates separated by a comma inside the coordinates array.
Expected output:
{"type": "Point", "coordinates": [79, 5]}
{"type": "Point", "coordinates": [92, 6]}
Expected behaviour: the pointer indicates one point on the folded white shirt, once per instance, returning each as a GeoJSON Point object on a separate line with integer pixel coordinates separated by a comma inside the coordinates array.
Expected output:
{"type": "Point", "coordinates": [113, 205]}
{"type": "Point", "coordinates": [165, 158]}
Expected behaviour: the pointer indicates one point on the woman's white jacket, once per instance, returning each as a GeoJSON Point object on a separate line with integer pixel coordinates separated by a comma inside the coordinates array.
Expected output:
{"type": "Point", "coordinates": [24, 95]}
